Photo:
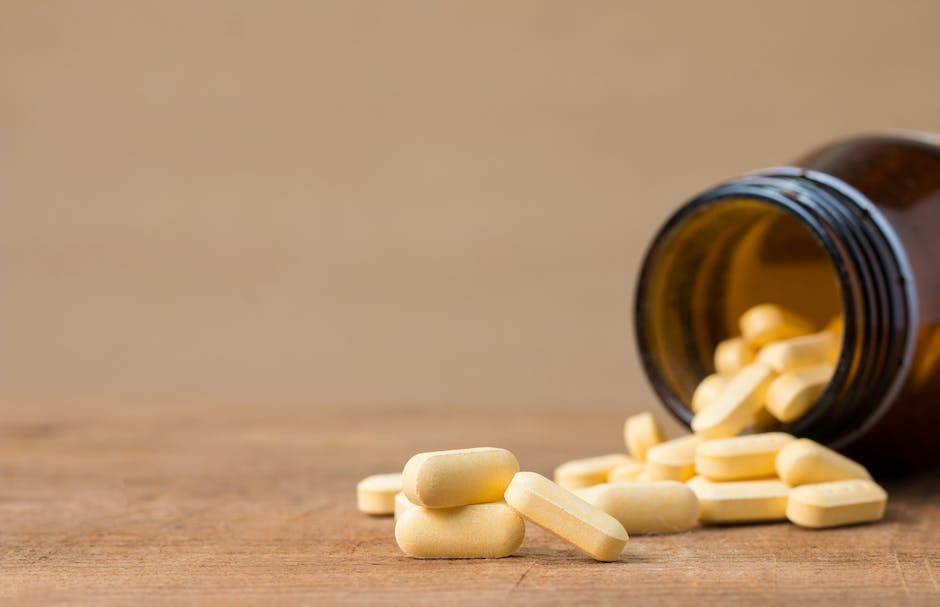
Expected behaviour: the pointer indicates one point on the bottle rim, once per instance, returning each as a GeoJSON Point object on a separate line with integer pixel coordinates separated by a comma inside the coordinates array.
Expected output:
{"type": "Point", "coordinates": [878, 296]}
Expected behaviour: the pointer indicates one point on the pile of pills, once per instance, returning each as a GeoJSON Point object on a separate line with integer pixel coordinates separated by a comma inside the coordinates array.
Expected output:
{"type": "Point", "coordinates": [472, 503]}
{"type": "Point", "coordinates": [775, 370]}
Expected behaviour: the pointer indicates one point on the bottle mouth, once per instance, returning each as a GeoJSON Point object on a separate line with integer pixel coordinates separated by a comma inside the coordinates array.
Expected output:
{"type": "Point", "coordinates": [782, 236]}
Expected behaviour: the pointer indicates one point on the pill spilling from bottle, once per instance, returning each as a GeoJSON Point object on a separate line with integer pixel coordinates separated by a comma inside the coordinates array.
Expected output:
{"type": "Point", "coordinates": [775, 371]}
{"type": "Point", "coordinates": [481, 499]}
{"type": "Point", "coordinates": [472, 503]}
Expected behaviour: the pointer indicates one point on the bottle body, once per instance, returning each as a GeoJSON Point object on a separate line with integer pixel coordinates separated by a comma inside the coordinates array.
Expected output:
{"type": "Point", "coordinates": [848, 229]}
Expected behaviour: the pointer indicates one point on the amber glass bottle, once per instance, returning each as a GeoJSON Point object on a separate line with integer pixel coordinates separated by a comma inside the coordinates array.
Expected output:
{"type": "Point", "coordinates": [852, 228]}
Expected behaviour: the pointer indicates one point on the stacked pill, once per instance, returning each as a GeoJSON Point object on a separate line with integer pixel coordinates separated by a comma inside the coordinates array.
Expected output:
{"type": "Point", "coordinates": [453, 505]}
{"type": "Point", "coordinates": [470, 503]}
{"type": "Point", "coordinates": [775, 370]}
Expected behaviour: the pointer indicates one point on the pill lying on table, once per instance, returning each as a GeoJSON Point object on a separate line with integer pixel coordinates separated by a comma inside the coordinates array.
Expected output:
{"type": "Point", "coordinates": [443, 479]}
{"type": "Point", "coordinates": [654, 507]}
{"type": "Point", "coordinates": [640, 432]}
{"type": "Point", "coordinates": [707, 390]}
{"type": "Point", "coordinates": [803, 351]}
{"type": "Point", "coordinates": [564, 514]}
{"type": "Point", "coordinates": [625, 472]}
{"type": "Point", "coordinates": [589, 471]}
{"type": "Point", "coordinates": [792, 394]}
{"type": "Point", "coordinates": [740, 457]}
{"type": "Point", "coordinates": [401, 504]}
{"type": "Point", "coordinates": [732, 355]}
{"type": "Point", "coordinates": [737, 405]}
{"type": "Point", "coordinates": [836, 503]}
{"type": "Point", "coordinates": [465, 532]}
{"type": "Point", "coordinates": [673, 460]}
{"type": "Point", "coordinates": [805, 462]}
{"type": "Point", "coordinates": [767, 322]}
{"type": "Point", "coordinates": [376, 494]}
{"type": "Point", "coordinates": [742, 501]}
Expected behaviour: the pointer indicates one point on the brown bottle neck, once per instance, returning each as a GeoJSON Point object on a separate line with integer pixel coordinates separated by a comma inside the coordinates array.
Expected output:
{"type": "Point", "coordinates": [879, 303]}
{"type": "Point", "coordinates": [877, 297]}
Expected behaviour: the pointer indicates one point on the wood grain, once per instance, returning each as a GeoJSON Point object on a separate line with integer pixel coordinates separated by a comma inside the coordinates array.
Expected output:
{"type": "Point", "coordinates": [210, 504]}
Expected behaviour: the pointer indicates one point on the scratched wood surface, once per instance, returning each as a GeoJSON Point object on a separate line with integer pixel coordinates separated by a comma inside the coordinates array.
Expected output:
{"type": "Point", "coordinates": [246, 504]}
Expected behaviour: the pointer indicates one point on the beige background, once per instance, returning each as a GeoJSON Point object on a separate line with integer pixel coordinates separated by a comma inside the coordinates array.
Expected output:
{"type": "Point", "coordinates": [391, 201]}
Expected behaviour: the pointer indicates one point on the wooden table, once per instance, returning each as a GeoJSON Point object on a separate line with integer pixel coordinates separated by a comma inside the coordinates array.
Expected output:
{"type": "Point", "coordinates": [247, 504]}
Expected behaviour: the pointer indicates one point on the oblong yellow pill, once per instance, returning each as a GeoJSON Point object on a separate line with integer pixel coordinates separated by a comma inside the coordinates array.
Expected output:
{"type": "Point", "coordinates": [376, 494]}
{"type": "Point", "coordinates": [707, 390]}
{"type": "Point", "coordinates": [654, 507]}
{"type": "Point", "coordinates": [742, 501]}
{"type": "Point", "coordinates": [737, 405]}
{"type": "Point", "coordinates": [740, 457]}
{"type": "Point", "coordinates": [731, 355]}
{"type": "Point", "coordinates": [836, 503]}
{"type": "Point", "coordinates": [673, 460]}
{"type": "Point", "coordinates": [566, 515]}
{"type": "Point", "coordinates": [803, 351]}
{"type": "Point", "coordinates": [477, 531]}
{"type": "Point", "coordinates": [626, 472]}
{"type": "Point", "coordinates": [640, 432]}
{"type": "Point", "coordinates": [443, 479]}
{"type": "Point", "coordinates": [589, 470]}
{"type": "Point", "coordinates": [792, 394]}
{"type": "Point", "coordinates": [805, 462]}
{"type": "Point", "coordinates": [767, 322]}
{"type": "Point", "coordinates": [401, 504]}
